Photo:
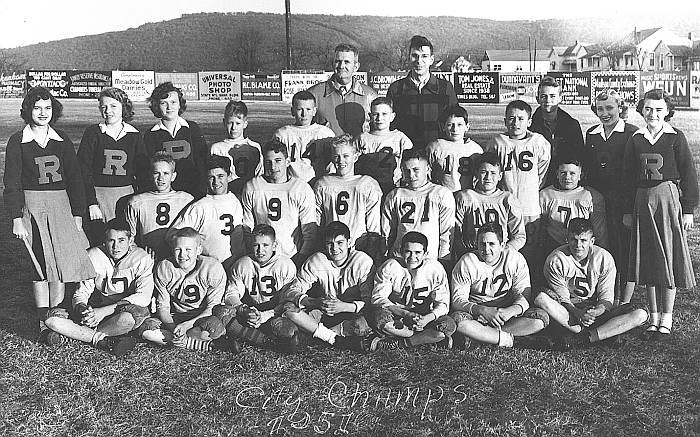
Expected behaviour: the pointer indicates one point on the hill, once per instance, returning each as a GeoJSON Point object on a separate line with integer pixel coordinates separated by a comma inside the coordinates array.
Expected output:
{"type": "Point", "coordinates": [255, 41]}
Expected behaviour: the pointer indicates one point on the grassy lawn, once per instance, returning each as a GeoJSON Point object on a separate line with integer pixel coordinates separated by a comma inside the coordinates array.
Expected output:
{"type": "Point", "coordinates": [640, 389]}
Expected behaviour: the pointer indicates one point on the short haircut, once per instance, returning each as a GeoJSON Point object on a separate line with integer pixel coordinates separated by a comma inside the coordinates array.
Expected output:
{"type": "Point", "coordinates": [118, 224]}
{"type": "Point", "coordinates": [610, 93]}
{"type": "Point", "coordinates": [382, 101]}
{"type": "Point", "coordinates": [345, 140]}
{"type": "Point", "coordinates": [578, 226]}
{"type": "Point", "coordinates": [520, 105]}
{"type": "Point", "coordinates": [569, 160]}
{"type": "Point", "coordinates": [186, 232]}
{"type": "Point", "coordinates": [414, 153]}
{"type": "Point", "coordinates": [34, 95]}
{"type": "Point", "coordinates": [548, 81]}
{"type": "Point", "coordinates": [275, 146]}
{"type": "Point", "coordinates": [161, 92]}
{"type": "Point", "coordinates": [491, 227]}
{"type": "Point", "coordinates": [303, 95]}
{"type": "Point", "coordinates": [657, 94]}
{"type": "Point", "coordinates": [489, 158]}
{"type": "Point", "coordinates": [222, 162]}
{"type": "Point", "coordinates": [454, 111]}
{"type": "Point", "coordinates": [235, 108]}
{"type": "Point", "coordinates": [163, 156]}
{"type": "Point", "coordinates": [347, 48]}
{"type": "Point", "coordinates": [418, 41]}
{"type": "Point", "coordinates": [122, 97]}
{"type": "Point", "coordinates": [414, 237]}
{"type": "Point", "coordinates": [336, 229]}
{"type": "Point", "coordinates": [263, 230]}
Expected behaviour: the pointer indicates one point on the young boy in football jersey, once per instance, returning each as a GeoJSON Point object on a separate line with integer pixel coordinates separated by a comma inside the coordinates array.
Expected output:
{"type": "Point", "coordinates": [381, 149]}
{"type": "Point", "coordinates": [284, 202]}
{"type": "Point", "coordinates": [580, 290]}
{"type": "Point", "coordinates": [218, 216]}
{"type": "Point", "coordinates": [298, 136]}
{"type": "Point", "coordinates": [525, 158]}
{"type": "Point", "coordinates": [150, 214]}
{"type": "Point", "coordinates": [490, 291]}
{"type": "Point", "coordinates": [187, 287]}
{"type": "Point", "coordinates": [346, 197]}
{"type": "Point", "coordinates": [420, 206]}
{"type": "Point", "coordinates": [256, 283]}
{"type": "Point", "coordinates": [451, 159]}
{"type": "Point", "coordinates": [561, 130]}
{"type": "Point", "coordinates": [410, 299]}
{"type": "Point", "coordinates": [245, 154]}
{"type": "Point", "coordinates": [113, 303]}
{"type": "Point", "coordinates": [487, 203]}
{"type": "Point", "coordinates": [330, 311]}
{"type": "Point", "coordinates": [180, 138]}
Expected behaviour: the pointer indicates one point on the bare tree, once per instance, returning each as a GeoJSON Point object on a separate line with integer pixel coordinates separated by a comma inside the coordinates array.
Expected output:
{"type": "Point", "coordinates": [248, 49]}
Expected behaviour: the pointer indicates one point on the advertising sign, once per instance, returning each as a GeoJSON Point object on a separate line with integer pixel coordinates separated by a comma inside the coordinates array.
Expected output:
{"type": "Point", "coordinates": [695, 89]}
{"type": "Point", "coordinates": [575, 86]}
{"type": "Point", "coordinates": [261, 86]}
{"type": "Point", "coordinates": [219, 85]}
{"type": "Point", "coordinates": [294, 81]}
{"type": "Point", "coordinates": [12, 86]}
{"type": "Point", "coordinates": [56, 81]}
{"type": "Point", "coordinates": [187, 82]}
{"type": "Point", "coordinates": [380, 82]}
{"type": "Point", "coordinates": [477, 87]}
{"type": "Point", "coordinates": [675, 83]}
{"type": "Point", "coordinates": [87, 84]}
{"type": "Point", "coordinates": [138, 85]}
{"type": "Point", "coordinates": [519, 86]}
{"type": "Point", "coordinates": [626, 83]}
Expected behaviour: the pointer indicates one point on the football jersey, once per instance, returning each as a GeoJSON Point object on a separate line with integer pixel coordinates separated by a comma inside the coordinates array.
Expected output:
{"type": "Point", "coordinates": [150, 214]}
{"type": "Point", "coordinates": [353, 200]}
{"type": "Point", "coordinates": [560, 206]}
{"type": "Point", "coordinates": [259, 285]}
{"type": "Point", "coordinates": [219, 219]}
{"type": "Point", "coordinates": [576, 281]}
{"type": "Point", "coordinates": [423, 290]}
{"type": "Point", "coordinates": [429, 210]}
{"type": "Point", "coordinates": [129, 279]}
{"type": "Point", "coordinates": [381, 156]}
{"type": "Point", "coordinates": [344, 282]}
{"type": "Point", "coordinates": [452, 164]}
{"type": "Point", "coordinates": [189, 293]}
{"type": "Point", "coordinates": [287, 207]}
{"type": "Point", "coordinates": [474, 209]}
{"type": "Point", "coordinates": [475, 282]}
{"type": "Point", "coordinates": [525, 164]}
{"type": "Point", "coordinates": [297, 138]}
{"type": "Point", "coordinates": [245, 155]}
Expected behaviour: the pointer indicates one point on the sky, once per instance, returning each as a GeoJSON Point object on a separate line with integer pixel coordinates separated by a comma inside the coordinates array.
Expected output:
{"type": "Point", "coordinates": [48, 20]}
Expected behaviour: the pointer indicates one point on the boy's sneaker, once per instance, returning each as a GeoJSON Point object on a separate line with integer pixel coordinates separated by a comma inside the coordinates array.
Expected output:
{"type": "Point", "coordinates": [52, 338]}
{"type": "Point", "coordinates": [461, 342]}
{"type": "Point", "coordinates": [385, 344]}
{"type": "Point", "coordinates": [446, 343]}
{"type": "Point", "coordinates": [227, 343]}
{"type": "Point", "coordinates": [117, 346]}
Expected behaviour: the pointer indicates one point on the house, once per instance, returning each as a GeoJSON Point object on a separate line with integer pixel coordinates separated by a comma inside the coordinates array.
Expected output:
{"type": "Point", "coordinates": [583, 56]}
{"type": "Point", "coordinates": [649, 49]}
{"type": "Point", "coordinates": [516, 60]}
{"type": "Point", "coordinates": [556, 58]}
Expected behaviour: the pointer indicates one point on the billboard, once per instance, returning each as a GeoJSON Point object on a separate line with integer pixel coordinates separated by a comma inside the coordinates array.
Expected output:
{"type": "Point", "coordinates": [219, 85]}
{"type": "Point", "coordinates": [138, 85]}
{"type": "Point", "coordinates": [695, 89]}
{"type": "Point", "coordinates": [187, 82]}
{"type": "Point", "coordinates": [12, 86]}
{"type": "Point", "coordinates": [675, 83]}
{"type": "Point", "coordinates": [261, 86]}
{"type": "Point", "coordinates": [626, 83]}
{"type": "Point", "coordinates": [575, 86]}
{"type": "Point", "coordinates": [56, 81]}
{"type": "Point", "coordinates": [87, 84]}
{"type": "Point", "coordinates": [519, 86]}
{"type": "Point", "coordinates": [447, 75]}
{"type": "Point", "coordinates": [381, 81]}
{"type": "Point", "coordinates": [477, 87]}
{"type": "Point", "coordinates": [294, 81]}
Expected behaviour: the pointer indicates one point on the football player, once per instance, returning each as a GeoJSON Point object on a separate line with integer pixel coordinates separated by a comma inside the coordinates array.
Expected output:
{"type": "Point", "coordinates": [580, 290]}
{"type": "Point", "coordinates": [113, 303]}
{"type": "Point", "coordinates": [490, 288]}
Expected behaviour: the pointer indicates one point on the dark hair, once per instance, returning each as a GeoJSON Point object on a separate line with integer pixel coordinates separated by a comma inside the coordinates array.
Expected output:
{"type": "Point", "coordinates": [382, 101]}
{"type": "Point", "coordinates": [489, 158]}
{"type": "Point", "coordinates": [118, 224]}
{"type": "Point", "coordinates": [491, 227]}
{"type": "Point", "coordinates": [235, 108]}
{"type": "Point", "coordinates": [414, 153]}
{"type": "Point", "coordinates": [347, 48]}
{"type": "Point", "coordinates": [454, 111]}
{"type": "Point", "coordinates": [122, 97]}
{"type": "Point", "coordinates": [414, 237]}
{"type": "Point", "coordinates": [303, 95]}
{"type": "Point", "coordinates": [578, 226]}
{"type": "Point", "coordinates": [34, 95]}
{"type": "Point", "coordinates": [263, 230]}
{"type": "Point", "coordinates": [218, 161]}
{"type": "Point", "coordinates": [657, 94]}
{"type": "Point", "coordinates": [336, 229]}
{"type": "Point", "coordinates": [547, 81]}
{"type": "Point", "coordinates": [275, 146]}
{"type": "Point", "coordinates": [161, 92]}
{"type": "Point", "coordinates": [418, 41]}
{"type": "Point", "coordinates": [521, 105]}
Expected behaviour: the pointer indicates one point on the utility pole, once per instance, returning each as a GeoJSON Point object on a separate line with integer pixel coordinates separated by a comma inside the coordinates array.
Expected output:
{"type": "Point", "coordinates": [287, 21]}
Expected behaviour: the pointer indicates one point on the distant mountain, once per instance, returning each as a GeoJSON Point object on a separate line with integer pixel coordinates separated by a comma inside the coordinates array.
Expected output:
{"type": "Point", "coordinates": [255, 41]}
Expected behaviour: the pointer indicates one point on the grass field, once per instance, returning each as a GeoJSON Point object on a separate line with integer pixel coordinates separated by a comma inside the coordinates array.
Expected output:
{"type": "Point", "coordinates": [641, 389]}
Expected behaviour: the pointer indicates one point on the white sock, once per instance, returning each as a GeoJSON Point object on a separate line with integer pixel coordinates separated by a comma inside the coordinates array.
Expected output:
{"type": "Point", "coordinates": [666, 320]}
{"type": "Point", "coordinates": [42, 326]}
{"type": "Point", "coordinates": [654, 319]}
{"type": "Point", "coordinates": [505, 339]}
{"type": "Point", "coordinates": [324, 334]}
